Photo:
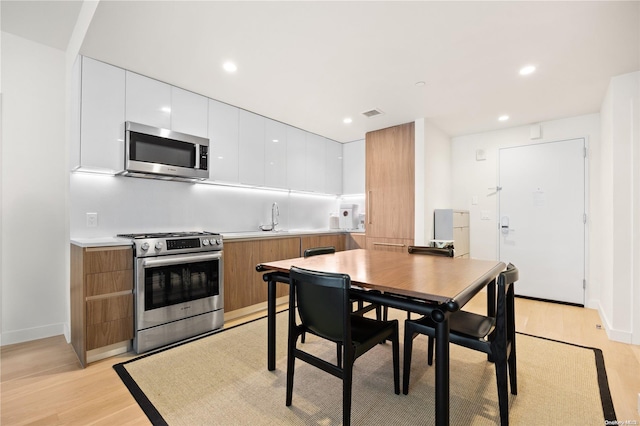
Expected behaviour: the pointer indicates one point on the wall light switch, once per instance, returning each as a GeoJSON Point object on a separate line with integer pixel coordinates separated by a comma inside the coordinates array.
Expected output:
{"type": "Point", "coordinates": [474, 200]}
{"type": "Point", "coordinates": [92, 220]}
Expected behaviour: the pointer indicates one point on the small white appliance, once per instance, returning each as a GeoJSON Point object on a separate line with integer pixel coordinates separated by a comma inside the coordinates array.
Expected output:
{"type": "Point", "coordinates": [349, 216]}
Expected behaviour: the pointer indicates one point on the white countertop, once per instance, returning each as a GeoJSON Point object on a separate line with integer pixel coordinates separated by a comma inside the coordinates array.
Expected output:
{"type": "Point", "coordinates": [101, 242]}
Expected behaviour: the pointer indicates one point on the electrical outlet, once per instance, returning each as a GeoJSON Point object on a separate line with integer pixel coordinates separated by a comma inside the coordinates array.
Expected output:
{"type": "Point", "coordinates": [485, 215]}
{"type": "Point", "coordinates": [92, 220]}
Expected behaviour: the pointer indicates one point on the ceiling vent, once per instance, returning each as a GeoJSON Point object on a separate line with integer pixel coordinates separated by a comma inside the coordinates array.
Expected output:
{"type": "Point", "coordinates": [372, 113]}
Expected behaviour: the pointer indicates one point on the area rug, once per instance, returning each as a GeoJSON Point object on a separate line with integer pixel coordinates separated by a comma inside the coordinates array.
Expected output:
{"type": "Point", "coordinates": [222, 379]}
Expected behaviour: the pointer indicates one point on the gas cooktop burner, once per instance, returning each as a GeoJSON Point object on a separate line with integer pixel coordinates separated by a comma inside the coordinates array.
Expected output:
{"type": "Point", "coordinates": [167, 235]}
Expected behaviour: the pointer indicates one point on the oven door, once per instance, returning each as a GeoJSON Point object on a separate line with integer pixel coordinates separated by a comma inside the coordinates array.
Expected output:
{"type": "Point", "coordinates": [170, 288]}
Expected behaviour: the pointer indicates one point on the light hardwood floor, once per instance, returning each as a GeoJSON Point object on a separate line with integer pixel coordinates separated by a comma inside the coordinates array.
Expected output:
{"type": "Point", "coordinates": [42, 382]}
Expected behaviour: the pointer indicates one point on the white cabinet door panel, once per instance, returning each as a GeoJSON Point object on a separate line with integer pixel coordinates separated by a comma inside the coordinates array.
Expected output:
{"type": "Point", "coordinates": [353, 172]}
{"type": "Point", "coordinates": [296, 158]}
{"type": "Point", "coordinates": [251, 144]}
{"type": "Point", "coordinates": [148, 101]}
{"type": "Point", "coordinates": [275, 146]}
{"type": "Point", "coordinates": [333, 167]}
{"type": "Point", "coordinates": [223, 142]}
{"type": "Point", "coordinates": [102, 116]}
{"type": "Point", "coordinates": [315, 163]}
{"type": "Point", "coordinates": [189, 112]}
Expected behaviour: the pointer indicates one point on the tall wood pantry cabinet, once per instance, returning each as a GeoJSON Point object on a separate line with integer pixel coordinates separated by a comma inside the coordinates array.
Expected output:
{"type": "Point", "coordinates": [390, 186]}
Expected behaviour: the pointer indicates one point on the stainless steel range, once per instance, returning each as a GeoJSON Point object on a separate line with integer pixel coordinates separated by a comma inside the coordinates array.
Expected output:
{"type": "Point", "coordinates": [178, 286]}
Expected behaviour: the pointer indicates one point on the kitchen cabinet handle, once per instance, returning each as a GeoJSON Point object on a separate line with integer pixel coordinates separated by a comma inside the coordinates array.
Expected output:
{"type": "Point", "coordinates": [389, 244]}
{"type": "Point", "coordinates": [168, 260]}
{"type": "Point", "coordinates": [369, 215]}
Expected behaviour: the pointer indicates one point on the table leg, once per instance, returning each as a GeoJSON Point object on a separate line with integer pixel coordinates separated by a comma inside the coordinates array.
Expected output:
{"type": "Point", "coordinates": [442, 371]}
{"type": "Point", "coordinates": [271, 325]}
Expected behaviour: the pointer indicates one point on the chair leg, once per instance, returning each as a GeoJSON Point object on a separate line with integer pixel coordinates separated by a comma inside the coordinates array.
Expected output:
{"type": "Point", "coordinates": [430, 351]}
{"type": "Point", "coordinates": [396, 363]}
{"type": "Point", "coordinates": [406, 366]}
{"type": "Point", "coordinates": [339, 354]}
{"type": "Point", "coordinates": [303, 336]}
{"type": "Point", "coordinates": [513, 376]}
{"type": "Point", "coordinates": [385, 313]}
{"type": "Point", "coordinates": [503, 394]}
{"type": "Point", "coordinates": [347, 382]}
{"type": "Point", "coordinates": [290, 369]}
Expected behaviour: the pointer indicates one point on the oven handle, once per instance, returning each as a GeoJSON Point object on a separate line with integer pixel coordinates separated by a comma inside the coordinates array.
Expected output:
{"type": "Point", "coordinates": [148, 263]}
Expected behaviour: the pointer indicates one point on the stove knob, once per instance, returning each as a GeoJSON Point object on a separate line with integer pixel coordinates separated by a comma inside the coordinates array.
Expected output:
{"type": "Point", "coordinates": [218, 241]}
{"type": "Point", "coordinates": [144, 246]}
{"type": "Point", "coordinates": [158, 245]}
{"type": "Point", "coordinates": [205, 242]}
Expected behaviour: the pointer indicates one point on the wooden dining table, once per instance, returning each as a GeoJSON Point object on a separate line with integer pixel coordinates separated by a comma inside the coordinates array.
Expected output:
{"type": "Point", "coordinates": [428, 285]}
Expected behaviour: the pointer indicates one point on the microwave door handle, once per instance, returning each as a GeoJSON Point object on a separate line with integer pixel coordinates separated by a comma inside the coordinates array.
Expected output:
{"type": "Point", "coordinates": [149, 263]}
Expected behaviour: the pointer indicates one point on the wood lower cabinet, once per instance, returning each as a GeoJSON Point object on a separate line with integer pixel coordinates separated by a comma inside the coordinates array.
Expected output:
{"type": "Point", "coordinates": [356, 241]}
{"type": "Point", "coordinates": [244, 289]}
{"type": "Point", "coordinates": [243, 286]}
{"type": "Point", "coordinates": [101, 298]}
{"type": "Point", "coordinates": [336, 240]}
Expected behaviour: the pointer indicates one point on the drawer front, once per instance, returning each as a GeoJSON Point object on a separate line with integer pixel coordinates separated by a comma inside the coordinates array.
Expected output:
{"type": "Point", "coordinates": [109, 282]}
{"type": "Point", "coordinates": [108, 333]}
{"type": "Point", "coordinates": [108, 309]}
{"type": "Point", "coordinates": [460, 218]}
{"type": "Point", "coordinates": [102, 259]}
{"type": "Point", "coordinates": [461, 241]}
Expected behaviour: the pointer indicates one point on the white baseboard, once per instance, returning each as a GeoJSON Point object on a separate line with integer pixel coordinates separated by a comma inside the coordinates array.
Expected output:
{"type": "Point", "coordinates": [612, 333]}
{"type": "Point", "coordinates": [29, 334]}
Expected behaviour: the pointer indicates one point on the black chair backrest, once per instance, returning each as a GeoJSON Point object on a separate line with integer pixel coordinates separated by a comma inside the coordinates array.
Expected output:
{"type": "Point", "coordinates": [319, 250]}
{"type": "Point", "coordinates": [323, 302]}
{"type": "Point", "coordinates": [432, 251]}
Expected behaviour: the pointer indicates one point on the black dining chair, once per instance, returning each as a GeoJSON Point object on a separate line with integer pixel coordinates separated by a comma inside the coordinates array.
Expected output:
{"type": "Point", "coordinates": [324, 308]}
{"type": "Point", "coordinates": [495, 336]}
{"type": "Point", "coordinates": [362, 308]}
{"type": "Point", "coordinates": [430, 251]}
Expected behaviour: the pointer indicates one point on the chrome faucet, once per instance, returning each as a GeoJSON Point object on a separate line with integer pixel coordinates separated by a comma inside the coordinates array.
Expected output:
{"type": "Point", "coordinates": [275, 213]}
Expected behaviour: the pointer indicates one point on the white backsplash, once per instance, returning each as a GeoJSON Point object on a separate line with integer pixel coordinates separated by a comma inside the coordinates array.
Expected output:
{"type": "Point", "coordinates": [126, 205]}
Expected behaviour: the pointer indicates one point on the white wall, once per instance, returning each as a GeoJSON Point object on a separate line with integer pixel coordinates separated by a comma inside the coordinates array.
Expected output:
{"type": "Point", "coordinates": [34, 240]}
{"type": "Point", "coordinates": [433, 177]}
{"type": "Point", "coordinates": [616, 206]}
{"type": "Point", "coordinates": [472, 178]}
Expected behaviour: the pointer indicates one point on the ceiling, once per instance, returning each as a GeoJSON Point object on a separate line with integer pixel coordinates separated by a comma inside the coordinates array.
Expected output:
{"type": "Point", "coordinates": [311, 64]}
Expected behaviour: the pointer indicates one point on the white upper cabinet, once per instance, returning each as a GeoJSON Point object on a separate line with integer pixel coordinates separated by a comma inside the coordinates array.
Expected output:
{"type": "Point", "coordinates": [296, 158]}
{"type": "Point", "coordinates": [251, 148]}
{"type": "Point", "coordinates": [189, 112]}
{"type": "Point", "coordinates": [353, 175]}
{"type": "Point", "coordinates": [333, 167]}
{"type": "Point", "coordinates": [275, 154]}
{"type": "Point", "coordinates": [148, 101]}
{"type": "Point", "coordinates": [223, 142]}
{"type": "Point", "coordinates": [102, 115]}
{"type": "Point", "coordinates": [315, 163]}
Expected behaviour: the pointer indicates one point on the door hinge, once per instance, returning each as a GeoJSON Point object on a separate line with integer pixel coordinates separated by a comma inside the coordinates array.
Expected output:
{"type": "Point", "coordinates": [584, 284]}
{"type": "Point", "coordinates": [584, 152]}
{"type": "Point", "coordinates": [584, 218]}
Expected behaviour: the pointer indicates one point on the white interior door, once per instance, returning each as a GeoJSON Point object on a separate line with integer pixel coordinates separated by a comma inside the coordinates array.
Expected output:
{"type": "Point", "coordinates": [542, 218]}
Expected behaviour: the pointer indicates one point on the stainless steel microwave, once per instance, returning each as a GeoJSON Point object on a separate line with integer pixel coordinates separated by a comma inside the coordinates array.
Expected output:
{"type": "Point", "coordinates": [155, 152]}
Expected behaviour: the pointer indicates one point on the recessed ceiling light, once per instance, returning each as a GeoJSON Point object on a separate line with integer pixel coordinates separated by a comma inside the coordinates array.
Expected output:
{"type": "Point", "coordinates": [274, 140]}
{"type": "Point", "coordinates": [230, 67]}
{"type": "Point", "coordinates": [527, 70]}
{"type": "Point", "coordinates": [420, 83]}
{"type": "Point", "coordinates": [347, 120]}
{"type": "Point", "coordinates": [503, 118]}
